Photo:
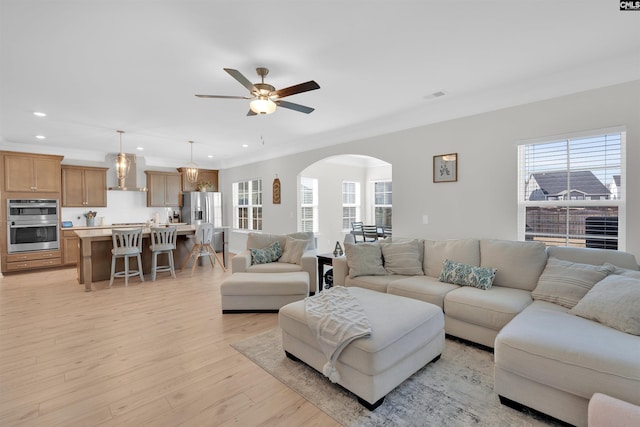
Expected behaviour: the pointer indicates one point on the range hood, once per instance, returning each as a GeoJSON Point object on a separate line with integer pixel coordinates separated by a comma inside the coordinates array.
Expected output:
{"type": "Point", "coordinates": [130, 183]}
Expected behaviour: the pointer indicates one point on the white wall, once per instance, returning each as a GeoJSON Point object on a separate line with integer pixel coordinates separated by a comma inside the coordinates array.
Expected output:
{"type": "Point", "coordinates": [483, 203]}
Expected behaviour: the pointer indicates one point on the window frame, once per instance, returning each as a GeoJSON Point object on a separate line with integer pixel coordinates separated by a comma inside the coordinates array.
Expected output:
{"type": "Point", "coordinates": [252, 207]}
{"type": "Point", "coordinates": [313, 206]}
{"type": "Point", "coordinates": [375, 205]}
{"type": "Point", "coordinates": [617, 200]}
{"type": "Point", "coordinates": [355, 205]}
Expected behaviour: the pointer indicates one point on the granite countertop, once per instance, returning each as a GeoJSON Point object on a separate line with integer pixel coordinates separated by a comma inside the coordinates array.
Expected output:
{"type": "Point", "coordinates": [121, 225]}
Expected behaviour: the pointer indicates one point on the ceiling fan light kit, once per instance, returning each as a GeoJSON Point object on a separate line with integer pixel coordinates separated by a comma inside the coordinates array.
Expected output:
{"type": "Point", "coordinates": [264, 97]}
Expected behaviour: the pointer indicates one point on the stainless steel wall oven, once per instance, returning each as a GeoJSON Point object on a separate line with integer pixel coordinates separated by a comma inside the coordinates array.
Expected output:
{"type": "Point", "coordinates": [32, 225]}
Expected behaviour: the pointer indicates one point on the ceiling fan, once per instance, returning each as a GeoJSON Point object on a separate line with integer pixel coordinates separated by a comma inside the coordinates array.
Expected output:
{"type": "Point", "coordinates": [264, 97]}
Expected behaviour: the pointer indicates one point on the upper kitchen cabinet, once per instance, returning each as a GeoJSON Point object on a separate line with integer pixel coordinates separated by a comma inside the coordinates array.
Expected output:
{"type": "Point", "coordinates": [163, 189]}
{"type": "Point", "coordinates": [32, 172]}
{"type": "Point", "coordinates": [84, 186]}
{"type": "Point", "coordinates": [208, 176]}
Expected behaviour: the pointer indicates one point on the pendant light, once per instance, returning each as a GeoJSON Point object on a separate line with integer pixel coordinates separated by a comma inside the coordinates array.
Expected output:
{"type": "Point", "coordinates": [122, 164]}
{"type": "Point", "coordinates": [192, 169]}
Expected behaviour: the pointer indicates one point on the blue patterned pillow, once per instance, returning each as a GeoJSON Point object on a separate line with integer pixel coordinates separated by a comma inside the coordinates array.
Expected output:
{"type": "Point", "coordinates": [269, 254]}
{"type": "Point", "coordinates": [467, 275]}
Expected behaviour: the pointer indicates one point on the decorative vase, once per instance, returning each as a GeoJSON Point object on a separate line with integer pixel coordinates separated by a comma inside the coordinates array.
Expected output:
{"type": "Point", "coordinates": [91, 222]}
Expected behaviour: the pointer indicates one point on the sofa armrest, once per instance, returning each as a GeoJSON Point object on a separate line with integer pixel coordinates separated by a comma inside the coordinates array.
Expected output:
{"type": "Point", "coordinates": [340, 271]}
{"type": "Point", "coordinates": [607, 411]}
{"type": "Point", "coordinates": [309, 263]}
{"type": "Point", "coordinates": [241, 262]}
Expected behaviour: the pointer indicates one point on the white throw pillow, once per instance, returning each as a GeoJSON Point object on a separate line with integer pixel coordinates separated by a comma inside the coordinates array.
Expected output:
{"type": "Point", "coordinates": [293, 250]}
{"type": "Point", "coordinates": [364, 259]}
{"type": "Point", "coordinates": [565, 282]}
{"type": "Point", "coordinates": [615, 302]}
{"type": "Point", "coordinates": [403, 258]}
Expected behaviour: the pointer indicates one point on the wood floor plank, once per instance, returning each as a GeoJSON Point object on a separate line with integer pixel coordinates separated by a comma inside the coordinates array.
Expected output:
{"type": "Point", "coordinates": [154, 353]}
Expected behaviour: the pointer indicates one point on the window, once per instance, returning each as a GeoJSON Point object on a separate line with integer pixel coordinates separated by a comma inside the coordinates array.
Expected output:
{"type": "Point", "coordinates": [247, 207]}
{"type": "Point", "coordinates": [350, 204]}
{"type": "Point", "coordinates": [382, 202]}
{"type": "Point", "coordinates": [308, 204]}
{"type": "Point", "coordinates": [572, 191]}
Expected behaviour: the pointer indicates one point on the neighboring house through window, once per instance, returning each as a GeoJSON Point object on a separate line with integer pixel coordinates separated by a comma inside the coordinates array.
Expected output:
{"type": "Point", "coordinates": [308, 204]}
{"type": "Point", "coordinates": [572, 190]}
{"type": "Point", "coordinates": [350, 204]}
{"type": "Point", "coordinates": [247, 205]}
{"type": "Point", "coordinates": [382, 202]}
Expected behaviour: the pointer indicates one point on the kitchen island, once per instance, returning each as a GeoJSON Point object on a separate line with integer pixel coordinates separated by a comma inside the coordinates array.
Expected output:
{"type": "Point", "coordinates": [95, 246]}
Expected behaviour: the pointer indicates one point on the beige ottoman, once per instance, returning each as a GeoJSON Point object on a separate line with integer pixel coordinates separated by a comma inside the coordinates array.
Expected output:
{"type": "Point", "coordinates": [262, 292]}
{"type": "Point", "coordinates": [406, 335]}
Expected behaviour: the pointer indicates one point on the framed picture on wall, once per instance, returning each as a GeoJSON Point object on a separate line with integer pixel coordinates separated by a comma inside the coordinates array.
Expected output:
{"type": "Point", "coordinates": [445, 167]}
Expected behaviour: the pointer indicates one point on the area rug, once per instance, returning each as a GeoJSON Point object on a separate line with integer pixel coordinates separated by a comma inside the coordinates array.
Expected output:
{"type": "Point", "coordinates": [457, 390]}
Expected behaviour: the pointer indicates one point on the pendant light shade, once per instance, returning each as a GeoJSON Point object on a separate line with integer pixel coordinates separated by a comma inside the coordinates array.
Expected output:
{"type": "Point", "coordinates": [191, 170]}
{"type": "Point", "coordinates": [122, 164]}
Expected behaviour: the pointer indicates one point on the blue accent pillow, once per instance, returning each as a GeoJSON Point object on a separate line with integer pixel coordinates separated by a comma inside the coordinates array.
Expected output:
{"type": "Point", "coordinates": [467, 275]}
{"type": "Point", "coordinates": [269, 254]}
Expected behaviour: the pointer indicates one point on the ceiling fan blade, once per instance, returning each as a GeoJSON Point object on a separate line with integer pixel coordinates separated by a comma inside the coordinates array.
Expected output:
{"type": "Point", "coordinates": [242, 79]}
{"type": "Point", "coordinates": [251, 113]}
{"type": "Point", "coordinates": [223, 96]}
{"type": "Point", "coordinates": [292, 90]}
{"type": "Point", "coordinates": [296, 107]}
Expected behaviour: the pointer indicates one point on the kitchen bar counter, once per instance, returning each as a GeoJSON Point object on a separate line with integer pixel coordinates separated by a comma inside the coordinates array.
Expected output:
{"type": "Point", "coordinates": [96, 244]}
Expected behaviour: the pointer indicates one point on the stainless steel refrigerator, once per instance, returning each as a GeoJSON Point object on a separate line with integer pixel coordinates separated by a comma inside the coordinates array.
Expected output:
{"type": "Point", "coordinates": [206, 207]}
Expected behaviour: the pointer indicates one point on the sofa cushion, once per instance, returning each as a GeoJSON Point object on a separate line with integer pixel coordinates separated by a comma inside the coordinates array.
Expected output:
{"type": "Point", "coordinates": [593, 256]}
{"type": "Point", "coordinates": [374, 283]}
{"type": "Point", "coordinates": [403, 258]}
{"type": "Point", "coordinates": [467, 275]}
{"type": "Point", "coordinates": [566, 282]}
{"type": "Point", "coordinates": [293, 250]}
{"type": "Point", "coordinates": [274, 267]}
{"type": "Point", "coordinates": [549, 346]}
{"type": "Point", "coordinates": [519, 264]}
{"type": "Point", "coordinates": [614, 301]}
{"type": "Point", "coordinates": [492, 308]}
{"type": "Point", "coordinates": [262, 240]}
{"type": "Point", "coordinates": [466, 251]}
{"type": "Point", "coordinates": [364, 259]}
{"type": "Point", "coordinates": [308, 236]}
{"type": "Point", "coordinates": [424, 288]}
{"type": "Point", "coordinates": [265, 255]}
{"type": "Point", "coordinates": [627, 273]}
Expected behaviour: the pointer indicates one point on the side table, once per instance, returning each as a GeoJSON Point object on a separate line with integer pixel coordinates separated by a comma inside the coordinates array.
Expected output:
{"type": "Point", "coordinates": [324, 259]}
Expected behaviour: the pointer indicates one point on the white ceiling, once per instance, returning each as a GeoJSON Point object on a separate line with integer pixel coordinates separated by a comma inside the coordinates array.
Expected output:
{"type": "Point", "coordinates": [98, 66]}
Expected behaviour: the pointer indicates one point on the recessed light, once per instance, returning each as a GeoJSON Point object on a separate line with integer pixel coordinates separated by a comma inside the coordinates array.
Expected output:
{"type": "Point", "coordinates": [245, 145]}
{"type": "Point", "coordinates": [140, 148]}
{"type": "Point", "coordinates": [41, 137]}
{"type": "Point", "coordinates": [210, 156]}
{"type": "Point", "coordinates": [39, 114]}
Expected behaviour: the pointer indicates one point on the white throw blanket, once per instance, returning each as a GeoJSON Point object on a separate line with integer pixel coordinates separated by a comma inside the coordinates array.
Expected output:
{"type": "Point", "coordinates": [336, 318]}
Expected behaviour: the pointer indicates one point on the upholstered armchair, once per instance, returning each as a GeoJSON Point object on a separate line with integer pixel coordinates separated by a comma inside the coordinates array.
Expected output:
{"type": "Point", "coordinates": [298, 253]}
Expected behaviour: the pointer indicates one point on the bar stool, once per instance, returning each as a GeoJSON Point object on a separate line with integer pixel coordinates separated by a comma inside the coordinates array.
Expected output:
{"type": "Point", "coordinates": [163, 241]}
{"type": "Point", "coordinates": [126, 244]}
{"type": "Point", "coordinates": [202, 247]}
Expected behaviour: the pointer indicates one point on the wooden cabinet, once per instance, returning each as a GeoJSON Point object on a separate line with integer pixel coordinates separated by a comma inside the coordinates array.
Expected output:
{"type": "Point", "coordinates": [204, 175]}
{"type": "Point", "coordinates": [163, 189]}
{"type": "Point", "coordinates": [32, 172]}
{"type": "Point", "coordinates": [84, 186]}
{"type": "Point", "coordinates": [29, 260]}
{"type": "Point", "coordinates": [70, 251]}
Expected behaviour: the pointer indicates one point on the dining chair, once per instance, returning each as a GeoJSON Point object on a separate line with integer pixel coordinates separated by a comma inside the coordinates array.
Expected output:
{"type": "Point", "coordinates": [386, 231]}
{"type": "Point", "coordinates": [127, 243]}
{"type": "Point", "coordinates": [203, 239]}
{"type": "Point", "coordinates": [163, 241]}
{"type": "Point", "coordinates": [370, 233]}
{"type": "Point", "coordinates": [356, 231]}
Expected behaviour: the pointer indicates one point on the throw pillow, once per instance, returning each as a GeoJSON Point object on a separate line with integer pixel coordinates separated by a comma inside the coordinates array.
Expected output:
{"type": "Point", "coordinates": [614, 302]}
{"type": "Point", "coordinates": [467, 275]}
{"type": "Point", "coordinates": [565, 282]}
{"type": "Point", "coordinates": [403, 258]}
{"type": "Point", "coordinates": [364, 259]}
{"type": "Point", "coordinates": [293, 250]}
{"type": "Point", "coordinates": [269, 254]}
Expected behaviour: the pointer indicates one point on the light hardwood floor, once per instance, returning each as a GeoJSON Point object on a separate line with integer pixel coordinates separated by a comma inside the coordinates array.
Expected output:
{"type": "Point", "coordinates": [155, 353]}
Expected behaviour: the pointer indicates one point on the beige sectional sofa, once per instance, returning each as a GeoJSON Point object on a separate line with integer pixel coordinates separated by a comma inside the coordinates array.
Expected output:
{"type": "Point", "coordinates": [545, 357]}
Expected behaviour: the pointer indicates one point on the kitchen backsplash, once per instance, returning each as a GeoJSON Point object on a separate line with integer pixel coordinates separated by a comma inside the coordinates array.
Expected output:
{"type": "Point", "coordinates": [122, 207]}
